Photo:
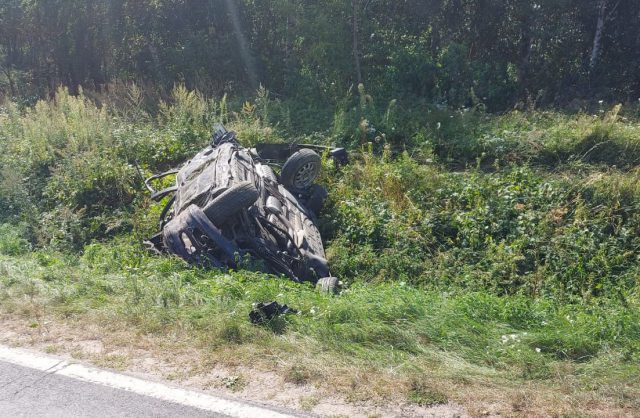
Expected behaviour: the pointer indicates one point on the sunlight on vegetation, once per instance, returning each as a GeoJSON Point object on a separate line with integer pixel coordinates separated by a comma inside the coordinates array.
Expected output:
{"type": "Point", "coordinates": [486, 230]}
{"type": "Point", "coordinates": [491, 247]}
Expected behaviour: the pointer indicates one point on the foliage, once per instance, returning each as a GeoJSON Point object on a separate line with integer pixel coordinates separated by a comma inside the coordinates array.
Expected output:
{"type": "Point", "coordinates": [505, 224]}
{"type": "Point", "coordinates": [456, 53]}
{"type": "Point", "coordinates": [509, 242]}
{"type": "Point", "coordinates": [379, 326]}
{"type": "Point", "coordinates": [73, 170]}
{"type": "Point", "coordinates": [13, 240]}
{"type": "Point", "coordinates": [510, 231]}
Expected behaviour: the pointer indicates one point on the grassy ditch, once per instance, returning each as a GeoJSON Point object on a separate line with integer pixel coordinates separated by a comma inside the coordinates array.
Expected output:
{"type": "Point", "coordinates": [423, 344]}
{"type": "Point", "coordinates": [489, 260]}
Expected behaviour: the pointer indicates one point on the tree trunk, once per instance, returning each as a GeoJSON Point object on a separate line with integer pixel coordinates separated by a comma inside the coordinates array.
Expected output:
{"type": "Point", "coordinates": [12, 85]}
{"type": "Point", "coordinates": [597, 39]}
{"type": "Point", "coordinates": [356, 50]}
{"type": "Point", "coordinates": [526, 48]}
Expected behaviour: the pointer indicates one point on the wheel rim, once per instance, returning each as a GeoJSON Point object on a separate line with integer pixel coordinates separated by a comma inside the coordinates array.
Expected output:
{"type": "Point", "coordinates": [305, 176]}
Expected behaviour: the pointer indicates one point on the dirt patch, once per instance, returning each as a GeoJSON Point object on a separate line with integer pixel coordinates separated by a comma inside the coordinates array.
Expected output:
{"type": "Point", "coordinates": [171, 360]}
{"type": "Point", "coordinates": [298, 381]}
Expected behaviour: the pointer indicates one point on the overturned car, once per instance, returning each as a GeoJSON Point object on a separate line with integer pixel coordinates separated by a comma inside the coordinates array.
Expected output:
{"type": "Point", "coordinates": [229, 205]}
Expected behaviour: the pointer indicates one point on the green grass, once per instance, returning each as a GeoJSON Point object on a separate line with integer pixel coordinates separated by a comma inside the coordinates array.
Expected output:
{"type": "Point", "coordinates": [478, 251]}
{"type": "Point", "coordinates": [376, 327]}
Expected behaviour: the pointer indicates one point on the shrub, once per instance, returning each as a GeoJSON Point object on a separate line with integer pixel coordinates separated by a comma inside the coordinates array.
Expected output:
{"type": "Point", "coordinates": [14, 240]}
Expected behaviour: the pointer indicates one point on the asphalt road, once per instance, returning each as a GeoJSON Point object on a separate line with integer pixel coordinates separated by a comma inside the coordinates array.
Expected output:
{"type": "Point", "coordinates": [26, 392]}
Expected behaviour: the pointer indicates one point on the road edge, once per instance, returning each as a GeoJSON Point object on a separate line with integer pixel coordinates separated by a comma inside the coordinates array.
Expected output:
{"type": "Point", "coordinates": [216, 404]}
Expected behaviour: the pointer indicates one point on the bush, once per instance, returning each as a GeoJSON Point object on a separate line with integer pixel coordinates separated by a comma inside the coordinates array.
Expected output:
{"type": "Point", "coordinates": [519, 229]}
{"type": "Point", "coordinates": [14, 240]}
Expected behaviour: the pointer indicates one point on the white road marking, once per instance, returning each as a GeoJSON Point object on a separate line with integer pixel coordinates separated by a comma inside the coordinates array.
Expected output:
{"type": "Point", "coordinates": [76, 371]}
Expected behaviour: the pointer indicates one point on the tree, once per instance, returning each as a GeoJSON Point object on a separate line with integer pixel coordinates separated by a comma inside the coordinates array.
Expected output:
{"type": "Point", "coordinates": [603, 16]}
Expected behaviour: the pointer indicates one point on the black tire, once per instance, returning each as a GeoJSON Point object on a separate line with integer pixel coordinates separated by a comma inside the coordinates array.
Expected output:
{"type": "Point", "coordinates": [300, 170]}
{"type": "Point", "coordinates": [319, 266]}
{"type": "Point", "coordinates": [229, 202]}
{"type": "Point", "coordinates": [328, 285]}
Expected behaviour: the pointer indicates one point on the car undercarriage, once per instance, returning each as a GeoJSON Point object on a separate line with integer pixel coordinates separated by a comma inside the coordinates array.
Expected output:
{"type": "Point", "coordinates": [229, 205]}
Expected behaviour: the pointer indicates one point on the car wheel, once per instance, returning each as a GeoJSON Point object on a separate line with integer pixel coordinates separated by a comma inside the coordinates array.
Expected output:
{"type": "Point", "coordinates": [328, 285]}
{"type": "Point", "coordinates": [300, 170]}
{"type": "Point", "coordinates": [229, 202]}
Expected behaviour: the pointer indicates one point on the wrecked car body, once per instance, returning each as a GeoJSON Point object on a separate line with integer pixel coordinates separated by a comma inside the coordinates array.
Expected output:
{"type": "Point", "coordinates": [229, 205]}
